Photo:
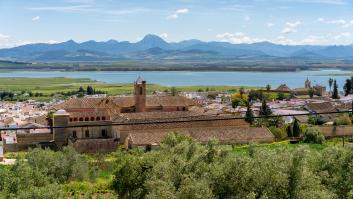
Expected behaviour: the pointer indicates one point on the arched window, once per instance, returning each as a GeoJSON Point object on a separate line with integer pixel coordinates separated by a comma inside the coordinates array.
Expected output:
{"type": "Point", "coordinates": [92, 118]}
{"type": "Point", "coordinates": [103, 118]}
{"type": "Point", "coordinates": [86, 119]}
{"type": "Point", "coordinates": [104, 133]}
{"type": "Point", "coordinates": [70, 119]}
{"type": "Point", "coordinates": [184, 108]}
{"type": "Point", "coordinates": [81, 119]}
{"type": "Point", "coordinates": [74, 134]}
{"type": "Point", "coordinates": [87, 133]}
{"type": "Point", "coordinates": [98, 118]}
{"type": "Point", "coordinates": [141, 91]}
{"type": "Point", "coordinates": [75, 119]}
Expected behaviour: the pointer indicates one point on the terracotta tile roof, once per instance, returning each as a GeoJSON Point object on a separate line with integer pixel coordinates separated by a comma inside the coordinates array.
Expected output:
{"type": "Point", "coordinates": [283, 87]}
{"type": "Point", "coordinates": [169, 101]}
{"type": "Point", "coordinates": [301, 89]}
{"type": "Point", "coordinates": [344, 106]}
{"type": "Point", "coordinates": [126, 101]}
{"type": "Point", "coordinates": [176, 116]}
{"type": "Point", "coordinates": [100, 113]}
{"type": "Point", "coordinates": [331, 131]}
{"type": "Point", "coordinates": [226, 135]}
{"type": "Point", "coordinates": [79, 103]}
{"type": "Point", "coordinates": [321, 107]}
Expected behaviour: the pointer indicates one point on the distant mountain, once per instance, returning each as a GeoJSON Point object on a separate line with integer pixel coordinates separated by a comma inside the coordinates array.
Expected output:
{"type": "Point", "coordinates": [152, 47]}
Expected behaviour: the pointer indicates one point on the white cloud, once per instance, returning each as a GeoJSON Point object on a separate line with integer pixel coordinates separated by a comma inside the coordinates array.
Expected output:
{"type": "Point", "coordinates": [177, 13]}
{"type": "Point", "coordinates": [36, 18]}
{"type": "Point", "coordinates": [164, 35]}
{"type": "Point", "coordinates": [182, 11]}
{"type": "Point", "coordinates": [237, 38]}
{"type": "Point", "coordinates": [294, 24]}
{"type": "Point", "coordinates": [288, 30]}
{"type": "Point", "coordinates": [270, 24]}
{"type": "Point", "coordinates": [291, 27]}
{"type": "Point", "coordinates": [344, 35]}
{"type": "Point", "coordinates": [341, 22]}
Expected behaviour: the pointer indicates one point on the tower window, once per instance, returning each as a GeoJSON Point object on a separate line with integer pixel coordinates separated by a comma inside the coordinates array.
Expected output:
{"type": "Point", "coordinates": [103, 118]}
{"type": "Point", "coordinates": [86, 119]}
{"type": "Point", "coordinates": [98, 118]}
{"type": "Point", "coordinates": [92, 118]}
{"type": "Point", "coordinates": [81, 119]}
{"type": "Point", "coordinates": [87, 133]}
{"type": "Point", "coordinates": [141, 91]}
{"type": "Point", "coordinates": [104, 133]}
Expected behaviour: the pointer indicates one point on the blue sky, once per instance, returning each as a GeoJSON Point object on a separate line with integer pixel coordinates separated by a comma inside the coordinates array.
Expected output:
{"type": "Point", "coordinates": [319, 22]}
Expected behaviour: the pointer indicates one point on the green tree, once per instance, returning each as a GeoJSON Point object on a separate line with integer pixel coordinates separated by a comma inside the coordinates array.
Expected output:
{"type": "Point", "coordinates": [265, 109]}
{"type": "Point", "coordinates": [313, 135]}
{"type": "Point", "coordinates": [347, 87]}
{"type": "Point", "coordinates": [173, 91]}
{"type": "Point", "coordinates": [90, 90]}
{"type": "Point", "coordinates": [241, 92]}
{"type": "Point", "coordinates": [249, 115]}
{"type": "Point", "coordinates": [280, 96]}
{"type": "Point", "coordinates": [268, 87]}
{"type": "Point", "coordinates": [335, 94]}
{"type": "Point", "coordinates": [330, 82]}
{"type": "Point", "coordinates": [311, 93]}
{"type": "Point", "coordinates": [296, 128]}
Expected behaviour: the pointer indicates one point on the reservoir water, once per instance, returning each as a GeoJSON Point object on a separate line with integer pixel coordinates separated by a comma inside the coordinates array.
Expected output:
{"type": "Point", "coordinates": [184, 78]}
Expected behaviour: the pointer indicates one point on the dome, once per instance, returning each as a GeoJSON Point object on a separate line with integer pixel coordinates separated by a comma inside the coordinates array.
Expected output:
{"type": "Point", "coordinates": [61, 112]}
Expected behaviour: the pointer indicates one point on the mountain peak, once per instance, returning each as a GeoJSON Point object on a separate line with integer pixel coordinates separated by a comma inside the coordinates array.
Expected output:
{"type": "Point", "coordinates": [150, 41]}
{"type": "Point", "coordinates": [151, 37]}
{"type": "Point", "coordinates": [70, 42]}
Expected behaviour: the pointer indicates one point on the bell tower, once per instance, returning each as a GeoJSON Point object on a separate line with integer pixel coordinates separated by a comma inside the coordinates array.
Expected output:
{"type": "Point", "coordinates": [307, 83]}
{"type": "Point", "coordinates": [140, 95]}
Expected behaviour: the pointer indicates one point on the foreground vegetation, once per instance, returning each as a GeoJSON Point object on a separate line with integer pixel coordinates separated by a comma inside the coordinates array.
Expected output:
{"type": "Point", "coordinates": [182, 168]}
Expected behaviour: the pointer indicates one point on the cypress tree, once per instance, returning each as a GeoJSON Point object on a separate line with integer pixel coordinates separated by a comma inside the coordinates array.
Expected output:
{"type": "Point", "coordinates": [264, 109]}
{"type": "Point", "coordinates": [347, 87]}
{"type": "Point", "coordinates": [249, 115]}
{"type": "Point", "coordinates": [335, 90]}
{"type": "Point", "coordinates": [296, 128]}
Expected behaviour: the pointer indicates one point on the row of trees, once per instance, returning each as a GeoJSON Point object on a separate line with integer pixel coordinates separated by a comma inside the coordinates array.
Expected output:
{"type": "Point", "coordinates": [46, 174]}
{"type": "Point", "coordinates": [184, 169]}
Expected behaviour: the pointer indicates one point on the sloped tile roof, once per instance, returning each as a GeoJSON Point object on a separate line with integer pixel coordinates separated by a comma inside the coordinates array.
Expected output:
{"type": "Point", "coordinates": [226, 135]}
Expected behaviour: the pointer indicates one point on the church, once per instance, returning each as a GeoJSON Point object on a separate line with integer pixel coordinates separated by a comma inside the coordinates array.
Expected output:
{"type": "Point", "coordinates": [141, 120]}
{"type": "Point", "coordinates": [100, 124]}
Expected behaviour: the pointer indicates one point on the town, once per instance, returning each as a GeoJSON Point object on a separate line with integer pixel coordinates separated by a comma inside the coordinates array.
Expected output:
{"type": "Point", "coordinates": [97, 123]}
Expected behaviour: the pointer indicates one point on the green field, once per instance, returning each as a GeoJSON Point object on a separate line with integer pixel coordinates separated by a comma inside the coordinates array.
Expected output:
{"type": "Point", "coordinates": [50, 87]}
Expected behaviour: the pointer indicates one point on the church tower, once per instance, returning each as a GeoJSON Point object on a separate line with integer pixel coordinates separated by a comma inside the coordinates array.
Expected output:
{"type": "Point", "coordinates": [307, 83]}
{"type": "Point", "coordinates": [140, 95]}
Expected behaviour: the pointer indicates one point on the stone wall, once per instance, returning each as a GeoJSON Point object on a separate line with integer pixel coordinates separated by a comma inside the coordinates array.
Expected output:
{"type": "Point", "coordinates": [25, 141]}
{"type": "Point", "coordinates": [94, 145]}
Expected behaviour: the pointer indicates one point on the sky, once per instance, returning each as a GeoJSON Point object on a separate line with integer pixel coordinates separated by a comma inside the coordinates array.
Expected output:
{"type": "Point", "coordinates": [314, 22]}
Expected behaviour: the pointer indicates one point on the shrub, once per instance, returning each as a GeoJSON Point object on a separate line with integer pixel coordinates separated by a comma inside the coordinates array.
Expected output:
{"type": "Point", "coordinates": [343, 120]}
{"type": "Point", "coordinates": [278, 132]}
{"type": "Point", "coordinates": [313, 135]}
{"type": "Point", "coordinates": [238, 102]}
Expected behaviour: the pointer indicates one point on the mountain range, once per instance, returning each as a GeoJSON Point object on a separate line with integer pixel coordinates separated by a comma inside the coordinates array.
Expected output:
{"type": "Point", "coordinates": [152, 47]}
